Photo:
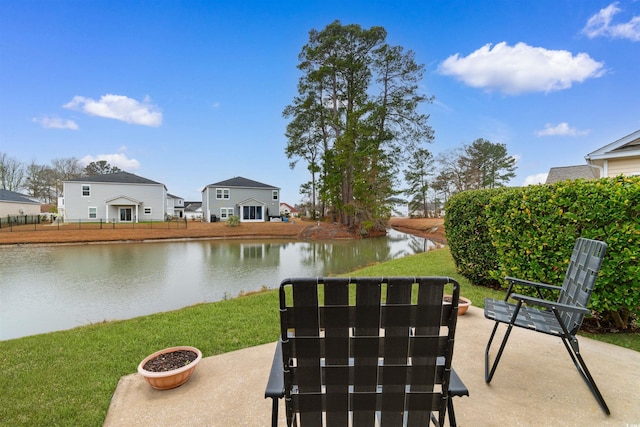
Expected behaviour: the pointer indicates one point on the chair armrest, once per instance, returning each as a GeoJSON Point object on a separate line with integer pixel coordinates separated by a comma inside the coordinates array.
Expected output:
{"type": "Point", "coordinates": [549, 304]}
{"type": "Point", "coordinates": [516, 281]}
{"type": "Point", "coordinates": [456, 386]}
{"type": "Point", "coordinates": [275, 384]}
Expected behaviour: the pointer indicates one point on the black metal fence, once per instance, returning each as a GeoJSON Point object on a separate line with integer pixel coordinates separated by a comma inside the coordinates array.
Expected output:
{"type": "Point", "coordinates": [51, 222]}
{"type": "Point", "coordinates": [15, 220]}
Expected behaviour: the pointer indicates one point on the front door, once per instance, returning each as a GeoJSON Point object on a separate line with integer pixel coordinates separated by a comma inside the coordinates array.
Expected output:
{"type": "Point", "coordinates": [125, 214]}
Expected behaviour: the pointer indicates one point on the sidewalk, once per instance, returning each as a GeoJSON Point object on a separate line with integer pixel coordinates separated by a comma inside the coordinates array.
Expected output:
{"type": "Point", "coordinates": [535, 384]}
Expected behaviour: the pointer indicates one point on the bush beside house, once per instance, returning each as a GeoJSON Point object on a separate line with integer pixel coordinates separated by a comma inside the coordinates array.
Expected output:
{"type": "Point", "coordinates": [530, 232]}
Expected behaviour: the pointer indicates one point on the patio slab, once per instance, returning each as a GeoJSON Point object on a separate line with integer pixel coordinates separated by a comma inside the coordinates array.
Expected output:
{"type": "Point", "coordinates": [535, 384]}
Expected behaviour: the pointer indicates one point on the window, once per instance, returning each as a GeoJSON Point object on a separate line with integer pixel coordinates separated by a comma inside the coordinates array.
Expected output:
{"type": "Point", "coordinates": [222, 193]}
{"type": "Point", "coordinates": [225, 213]}
{"type": "Point", "coordinates": [86, 190]}
{"type": "Point", "coordinates": [147, 211]}
{"type": "Point", "coordinates": [93, 213]}
{"type": "Point", "coordinates": [274, 195]}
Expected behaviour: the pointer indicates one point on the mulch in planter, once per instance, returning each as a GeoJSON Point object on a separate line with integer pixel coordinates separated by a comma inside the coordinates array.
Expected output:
{"type": "Point", "coordinates": [170, 361]}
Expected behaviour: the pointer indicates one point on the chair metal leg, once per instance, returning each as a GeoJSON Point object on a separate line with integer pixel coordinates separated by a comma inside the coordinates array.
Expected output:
{"type": "Point", "coordinates": [488, 375]}
{"type": "Point", "coordinates": [452, 415]}
{"type": "Point", "coordinates": [274, 412]}
{"type": "Point", "coordinates": [571, 344]}
{"type": "Point", "coordinates": [581, 366]}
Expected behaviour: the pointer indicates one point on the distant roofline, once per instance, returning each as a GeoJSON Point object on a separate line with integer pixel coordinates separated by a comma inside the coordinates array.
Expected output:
{"type": "Point", "coordinates": [241, 182]}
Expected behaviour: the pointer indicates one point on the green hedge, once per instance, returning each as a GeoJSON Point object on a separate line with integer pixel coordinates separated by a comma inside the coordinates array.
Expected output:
{"type": "Point", "coordinates": [532, 231]}
{"type": "Point", "coordinates": [468, 236]}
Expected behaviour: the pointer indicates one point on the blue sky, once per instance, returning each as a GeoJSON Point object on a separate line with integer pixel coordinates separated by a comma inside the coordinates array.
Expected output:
{"type": "Point", "coordinates": [190, 93]}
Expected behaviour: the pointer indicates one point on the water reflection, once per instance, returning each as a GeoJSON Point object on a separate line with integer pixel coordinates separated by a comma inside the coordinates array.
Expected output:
{"type": "Point", "coordinates": [50, 288]}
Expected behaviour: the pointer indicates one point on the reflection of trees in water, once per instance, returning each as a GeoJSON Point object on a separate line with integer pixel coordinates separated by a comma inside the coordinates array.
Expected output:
{"type": "Point", "coordinates": [329, 257]}
{"type": "Point", "coordinates": [342, 256]}
{"type": "Point", "coordinates": [420, 244]}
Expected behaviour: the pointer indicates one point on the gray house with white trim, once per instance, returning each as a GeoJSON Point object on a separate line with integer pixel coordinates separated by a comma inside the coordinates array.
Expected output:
{"type": "Point", "coordinates": [114, 197]}
{"type": "Point", "coordinates": [252, 201]}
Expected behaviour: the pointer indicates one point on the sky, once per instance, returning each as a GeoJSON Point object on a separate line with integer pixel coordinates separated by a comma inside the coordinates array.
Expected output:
{"type": "Point", "coordinates": [189, 93]}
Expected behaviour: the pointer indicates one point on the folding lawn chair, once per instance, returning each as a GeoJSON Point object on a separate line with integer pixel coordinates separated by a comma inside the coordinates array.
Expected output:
{"type": "Point", "coordinates": [361, 351]}
{"type": "Point", "coordinates": [561, 318]}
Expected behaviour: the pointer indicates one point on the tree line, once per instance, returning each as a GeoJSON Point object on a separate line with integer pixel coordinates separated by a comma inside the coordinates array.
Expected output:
{"type": "Point", "coordinates": [431, 180]}
{"type": "Point", "coordinates": [356, 123]}
{"type": "Point", "coordinates": [44, 182]}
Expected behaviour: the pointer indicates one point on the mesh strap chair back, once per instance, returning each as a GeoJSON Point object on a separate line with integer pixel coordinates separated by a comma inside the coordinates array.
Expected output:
{"type": "Point", "coordinates": [562, 317]}
{"type": "Point", "coordinates": [366, 351]}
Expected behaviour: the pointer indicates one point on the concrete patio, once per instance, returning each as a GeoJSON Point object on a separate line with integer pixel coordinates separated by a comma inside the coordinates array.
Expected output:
{"type": "Point", "coordinates": [536, 384]}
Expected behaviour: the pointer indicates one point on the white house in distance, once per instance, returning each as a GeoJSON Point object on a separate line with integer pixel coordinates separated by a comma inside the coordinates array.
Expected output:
{"type": "Point", "coordinates": [114, 197]}
{"type": "Point", "coordinates": [193, 210]}
{"type": "Point", "coordinates": [287, 209]}
{"type": "Point", "coordinates": [175, 206]}
{"type": "Point", "coordinates": [14, 204]}
{"type": "Point", "coordinates": [252, 201]}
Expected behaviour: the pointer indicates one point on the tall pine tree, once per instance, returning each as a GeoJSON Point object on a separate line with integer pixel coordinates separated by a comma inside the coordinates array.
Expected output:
{"type": "Point", "coordinates": [354, 118]}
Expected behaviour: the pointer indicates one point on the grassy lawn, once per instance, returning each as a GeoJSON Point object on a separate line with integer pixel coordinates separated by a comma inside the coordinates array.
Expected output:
{"type": "Point", "coordinates": [67, 378]}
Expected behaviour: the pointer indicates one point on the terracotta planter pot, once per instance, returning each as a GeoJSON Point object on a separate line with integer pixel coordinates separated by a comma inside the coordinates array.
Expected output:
{"type": "Point", "coordinates": [463, 304]}
{"type": "Point", "coordinates": [169, 379]}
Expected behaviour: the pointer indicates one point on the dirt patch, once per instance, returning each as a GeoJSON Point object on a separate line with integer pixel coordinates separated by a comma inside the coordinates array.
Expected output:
{"type": "Point", "coordinates": [87, 233]}
{"type": "Point", "coordinates": [326, 231]}
{"type": "Point", "coordinates": [429, 228]}
{"type": "Point", "coordinates": [432, 229]}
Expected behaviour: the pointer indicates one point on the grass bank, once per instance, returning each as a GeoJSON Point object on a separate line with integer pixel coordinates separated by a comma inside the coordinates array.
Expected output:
{"type": "Point", "coordinates": [68, 377]}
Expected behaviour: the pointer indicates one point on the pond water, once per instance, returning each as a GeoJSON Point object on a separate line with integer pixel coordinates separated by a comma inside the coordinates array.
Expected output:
{"type": "Point", "coordinates": [50, 288]}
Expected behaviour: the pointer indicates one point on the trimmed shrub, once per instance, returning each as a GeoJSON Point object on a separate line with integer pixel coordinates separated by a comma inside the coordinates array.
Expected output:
{"type": "Point", "coordinates": [532, 231]}
{"type": "Point", "coordinates": [468, 236]}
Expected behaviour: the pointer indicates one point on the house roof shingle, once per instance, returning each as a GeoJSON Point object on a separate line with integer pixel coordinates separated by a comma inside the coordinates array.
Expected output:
{"type": "Point", "coordinates": [12, 196]}
{"type": "Point", "coordinates": [241, 182]}
{"type": "Point", "coordinates": [192, 206]}
{"type": "Point", "coordinates": [117, 178]}
{"type": "Point", "coordinates": [564, 173]}
{"type": "Point", "coordinates": [293, 209]}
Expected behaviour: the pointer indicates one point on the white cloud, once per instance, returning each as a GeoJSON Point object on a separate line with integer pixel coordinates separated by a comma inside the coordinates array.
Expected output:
{"type": "Point", "coordinates": [521, 68]}
{"type": "Point", "coordinates": [600, 25]}
{"type": "Point", "coordinates": [56, 123]}
{"type": "Point", "coordinates": [561, 129]}
{"type": "Point", "coordinates": [119, 160]}
{"type": "Point", "coordinates": [119, 107]}
{"type": "Point", "coordinates": [539, 178]}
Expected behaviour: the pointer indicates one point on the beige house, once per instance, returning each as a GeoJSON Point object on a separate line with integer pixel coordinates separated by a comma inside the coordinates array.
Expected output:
{"type": "Point", "coordinates": [16, 204]}
{"type": "Point", "coordinates": [621, 157]}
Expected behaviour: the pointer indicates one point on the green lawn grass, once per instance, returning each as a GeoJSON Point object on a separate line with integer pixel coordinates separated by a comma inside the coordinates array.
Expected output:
{"type": "Point", "coordinates": [67, 378]}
